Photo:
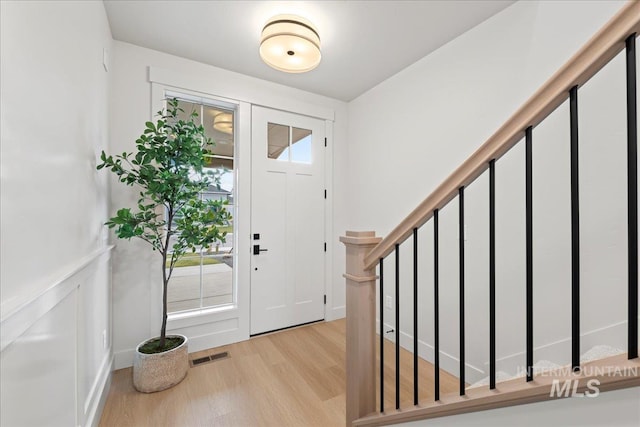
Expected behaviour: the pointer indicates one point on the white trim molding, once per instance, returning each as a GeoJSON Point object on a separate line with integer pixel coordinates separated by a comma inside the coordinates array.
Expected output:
{"type": "Point", "coordinates": [19, 320]}
{"type": "Point", "coordinates": [69, 324]}
{"type": "Point", "coordinates": [240, 92]}
{"type": "Point", "coordinates": [559, 352]}
{"type": "Point", "coordinates": [448, 362]}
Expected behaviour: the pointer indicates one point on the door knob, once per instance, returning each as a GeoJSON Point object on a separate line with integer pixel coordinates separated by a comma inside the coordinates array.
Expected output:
{"type": "Point", "coordinates": [257, 250]}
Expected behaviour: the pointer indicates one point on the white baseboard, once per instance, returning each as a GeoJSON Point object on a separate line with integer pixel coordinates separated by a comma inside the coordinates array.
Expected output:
{"type": "Point", "coordinates": [559, 351]}
{"type": "Point", "coordinates": [426, 351]}
{"type": "Point", "coordinates": [123, 359]}
{"type": "Point", "coordinates": [614, 335]}
{"type": "Point", "coordinates": [217, 339]}
{"type": "Point", "coordinates": [336, 313]}
{"type": "Point", "coordinates": [95, 401]}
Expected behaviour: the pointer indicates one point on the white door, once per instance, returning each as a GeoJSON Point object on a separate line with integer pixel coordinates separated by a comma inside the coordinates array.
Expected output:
{"type": "Point", "coordinates": [287, 220]}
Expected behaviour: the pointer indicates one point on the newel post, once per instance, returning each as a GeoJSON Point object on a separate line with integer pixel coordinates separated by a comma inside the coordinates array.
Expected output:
{"type": "Point", "coordinates": [361, 324]}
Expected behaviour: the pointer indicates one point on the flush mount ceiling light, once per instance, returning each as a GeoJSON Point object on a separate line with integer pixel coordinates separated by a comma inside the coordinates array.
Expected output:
{"type": "Point", "coordinates": [290, 43]}
{"type": "Point", "coordinates": [223, 122]}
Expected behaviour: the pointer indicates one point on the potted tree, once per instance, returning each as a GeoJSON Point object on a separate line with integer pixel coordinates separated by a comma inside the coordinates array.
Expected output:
{"type": "Point", "coordinates": [168, 169]}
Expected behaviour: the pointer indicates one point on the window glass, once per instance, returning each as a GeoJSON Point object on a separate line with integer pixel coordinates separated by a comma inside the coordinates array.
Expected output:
{"type": "Point", "coordinates": [187, 108]}
{"type": "Point", "coordinates": [278, 141]}
{"type": "Point", "coordinates": [300, 145]}
{"type": "Point", "coordinates": [218, 125]}
{"type": "Point", "coordinates": [205, 278]}
{"type": "Point", "coordinates": [288, 143]}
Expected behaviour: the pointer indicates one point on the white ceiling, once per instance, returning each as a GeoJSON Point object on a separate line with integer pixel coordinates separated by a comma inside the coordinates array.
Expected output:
{"type": "Point", "coordinates": [363, 42]}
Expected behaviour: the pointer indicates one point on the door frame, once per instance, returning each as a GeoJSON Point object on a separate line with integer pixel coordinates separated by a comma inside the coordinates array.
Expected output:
{"type": "Point", "coordinates": [326, 170]}
{"type": "Point", "coordinates": [228, 326]}
{"type": "Point", "coordinates": [228, 323]}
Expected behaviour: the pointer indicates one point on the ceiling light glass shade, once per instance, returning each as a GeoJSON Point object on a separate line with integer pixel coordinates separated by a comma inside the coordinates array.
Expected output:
{"type": "Point", "coordinates": [291, 44]}
{"type": "Point", "coordinates": [223, 122]}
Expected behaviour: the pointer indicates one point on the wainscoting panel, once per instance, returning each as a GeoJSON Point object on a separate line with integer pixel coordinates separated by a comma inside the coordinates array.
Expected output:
{"type": "Point", "coordinates": [38, 371]}
{"type": "Point", "coordinates": [56, 358]}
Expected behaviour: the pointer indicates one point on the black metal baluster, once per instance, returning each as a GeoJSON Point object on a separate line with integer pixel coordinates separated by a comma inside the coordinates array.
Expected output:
{"type": "Point", "coordinates": [381, 335]}
{"type": "Point", "coordinates": [529, 248]}
{"type": "Point", "coordinates": [397, 326]}
{"type": "Point", "coordinates": [415, 316]}
{"type": "Point", "coordinates": [632, 196]}
{"type": "Point", "coordinates": [436, 310]}
{"type": "Point", "coordinates": [492, 274]}
{"type": "Point", "coordinates": [461, 244]}
{"type": "Point", "coordinates": [575, 232]}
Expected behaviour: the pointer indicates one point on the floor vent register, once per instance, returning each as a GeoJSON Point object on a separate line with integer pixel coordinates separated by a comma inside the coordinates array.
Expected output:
{"type": "Point", "coordinates": [207, 359]}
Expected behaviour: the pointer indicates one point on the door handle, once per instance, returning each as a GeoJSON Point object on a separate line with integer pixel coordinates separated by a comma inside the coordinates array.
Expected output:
{"type": "Point", "coordinates": [257, 250]}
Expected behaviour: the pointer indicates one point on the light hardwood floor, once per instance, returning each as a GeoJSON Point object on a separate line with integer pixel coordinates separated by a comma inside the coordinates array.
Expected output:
{"type": "Point", "coordinates": [290, 378]}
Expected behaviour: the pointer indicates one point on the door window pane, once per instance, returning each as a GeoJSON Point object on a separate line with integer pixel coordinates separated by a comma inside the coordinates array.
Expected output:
{"type": "Point", "coordinates": [301, 145]}
{"type": "Point", "coordinates": [278, 141]}
{"type": "Point", "coordinates": [288, 143]}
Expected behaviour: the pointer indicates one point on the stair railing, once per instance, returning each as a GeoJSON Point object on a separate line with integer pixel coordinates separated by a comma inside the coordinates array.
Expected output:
{"type": "Point", "coordinates": [365, 251]}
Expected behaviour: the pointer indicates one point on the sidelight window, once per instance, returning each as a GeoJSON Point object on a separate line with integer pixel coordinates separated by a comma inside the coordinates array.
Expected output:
{"type": "Point", "coordinates": [205, 278]}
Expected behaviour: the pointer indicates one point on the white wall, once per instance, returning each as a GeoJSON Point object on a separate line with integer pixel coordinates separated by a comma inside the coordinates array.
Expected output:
{"type": "Point", "coordinates": [410, 132]}
{"type": "Point", "coordinates": [54, 280]}
{"type": "Point", "coordinates": [135, 278]}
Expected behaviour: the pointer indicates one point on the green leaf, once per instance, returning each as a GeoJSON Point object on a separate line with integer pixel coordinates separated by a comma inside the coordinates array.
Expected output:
{"type": "Point", "coordinates": [167, 167]}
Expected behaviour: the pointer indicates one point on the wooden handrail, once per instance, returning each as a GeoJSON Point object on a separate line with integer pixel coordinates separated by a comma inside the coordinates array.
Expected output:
{"type": "Point", "coordinates": [594, 55]}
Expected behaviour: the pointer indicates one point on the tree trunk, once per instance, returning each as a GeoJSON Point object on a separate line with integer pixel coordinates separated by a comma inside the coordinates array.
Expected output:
{"type": "Point", "coordinates": [165, 278]}
{"type": "Point", "coordinates": [165, 281]}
